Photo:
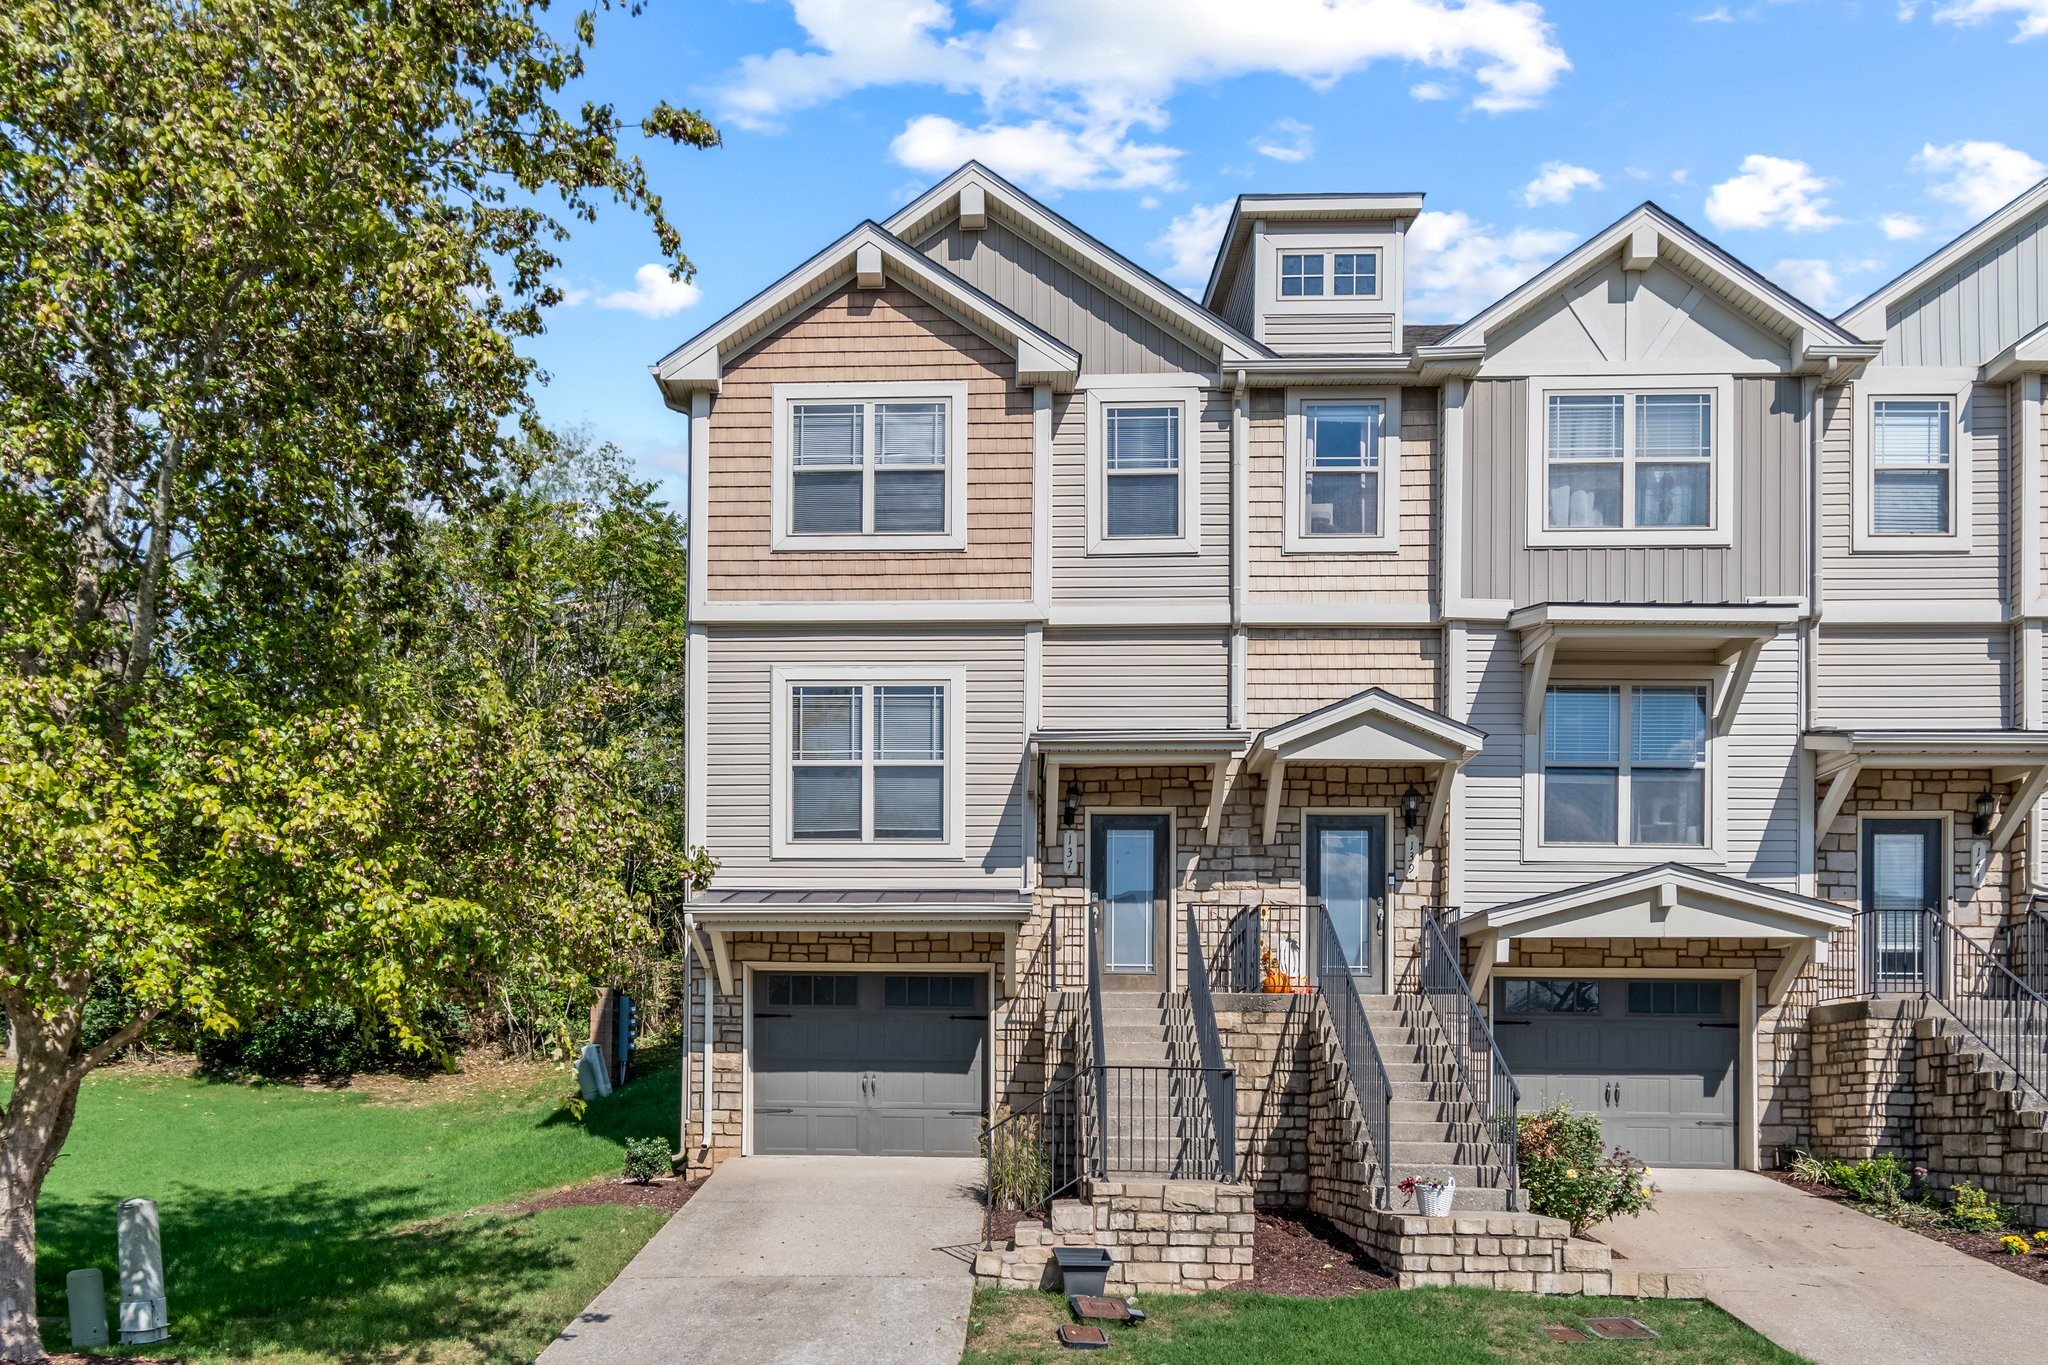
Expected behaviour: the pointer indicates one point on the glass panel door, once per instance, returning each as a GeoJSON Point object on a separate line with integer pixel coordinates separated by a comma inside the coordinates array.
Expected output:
{"type": "Point", "coordinates": [1130, 877]}
{"type": "Point", "coordinates": [1901, 883]}
{"type": "Point", "coordinates": [1346, 871]}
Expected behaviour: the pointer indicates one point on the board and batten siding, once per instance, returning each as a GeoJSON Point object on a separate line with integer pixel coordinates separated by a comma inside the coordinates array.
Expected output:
{"type": "Point", "coordinates": [1977, 308]}
{"type": "Point", "coordinates": [884, 336]}
{"type": "Point", "coordinates": [1111, 335]}
{"type": "Point", "coordinates": [1962, 679]}
{"type": "Point", "coordinates": [739, 683]}
{"type": "Point", "coordinates": [1330, 333]}
{"type": "Point", "coordinates": [1289, 673]}
{"type": "Point", "coordinates": [1769, 492]}
{"type": "Point", "coordinates": [1755, 769]}
{"type": "Point", "coordinates": [1078, 576]}
{"type": "Point", "coordinates": [1977, 574]}
{"type": "Point", "coordinates": [1136, 678]}
{"type": "Point", "coordinates": [1406, 575]}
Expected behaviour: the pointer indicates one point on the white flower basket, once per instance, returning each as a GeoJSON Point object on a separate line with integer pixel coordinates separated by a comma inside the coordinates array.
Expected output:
{"type": "Point", "coordinates": [1436, 1202]}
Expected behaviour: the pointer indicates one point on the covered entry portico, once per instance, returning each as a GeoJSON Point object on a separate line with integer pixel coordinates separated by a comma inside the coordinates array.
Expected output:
{"type": "Point", "coordinates": [1664, 971]}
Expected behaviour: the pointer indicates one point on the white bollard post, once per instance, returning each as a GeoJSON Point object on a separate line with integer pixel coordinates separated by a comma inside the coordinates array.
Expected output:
{"type": "Point", "coordinates": [86, 1292]}
{"type": "Point", "coordinates": [144, 1316]}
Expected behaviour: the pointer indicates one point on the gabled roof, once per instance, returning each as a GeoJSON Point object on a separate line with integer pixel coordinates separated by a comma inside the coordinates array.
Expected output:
{"type": "Point", "coordinates": [1294, 208]}
{"type": "Point", "coordinates": [1122, 276]}
{"type": "Point", "coordinates": [1866, 317]}
{"type": "Point", "coordinates": [1642, 236]}
{"type": "Point", "coordinates": [1375, 726]}
{"type": "Point", "coordinates": [2028, 355]}
{"type": "Point", "coordinates": [867, 255]}
{"type": "Point", "coordinates": [1731, 908]}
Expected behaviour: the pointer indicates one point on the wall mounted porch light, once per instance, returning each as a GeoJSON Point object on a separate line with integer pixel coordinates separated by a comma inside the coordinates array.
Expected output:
{"type": "Point", "coordinates": [1411, 808]}
{"type": "Point", "coordinates": [1070, 808]}
{"type": "Point", "coordinates": [1981, 817]}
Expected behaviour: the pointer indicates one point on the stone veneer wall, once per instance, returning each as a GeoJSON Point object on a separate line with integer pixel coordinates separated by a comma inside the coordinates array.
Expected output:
{"type": "Point", "coordinates": [1904, 1077]}
{"type": "Point", "coordinates": [1980, 907]}
{"type": "Point", "coordinates": [1171, 1237]}
{"type": "Point", "coordinates": [1267, 1041]}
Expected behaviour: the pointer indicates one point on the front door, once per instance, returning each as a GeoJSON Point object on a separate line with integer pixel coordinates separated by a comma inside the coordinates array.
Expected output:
{"type": "Point", "coordinates": [1901, 883]}
{"type": "Point", "coordinates": [1130, 872]}
{"type": "Point", "coordinates": [1347, 873]}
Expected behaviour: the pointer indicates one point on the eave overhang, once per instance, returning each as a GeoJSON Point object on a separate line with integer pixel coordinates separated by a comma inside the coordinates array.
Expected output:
{"type": "Point", "coordinates": [1052, 750]}
{"type": "Point", "coordinates": [867, 257]}
{"type": "Point", "coordinates": [1373, 728]}
{"type": "Point", "coordinates": [1866, 317]}
{"type": "Point", "coordinates": [770, 912]}
{"type": "Point", "coordinates": [1668, 901]}
{"type": "Point", "coordinates": [1299, 371]}
{"type": "Point", "coordinates": [2028, 355]}
{"type": "Point", "coordinates": [1734, 633]}
{"type": "Point", "coordinates": [1400, 206]}
{"type": "Point", "coordinates": [2012, 756]}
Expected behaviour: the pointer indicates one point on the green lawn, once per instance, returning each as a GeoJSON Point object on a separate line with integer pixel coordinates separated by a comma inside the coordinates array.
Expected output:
{"type": "Point", "coordinates": [305, 1225]}
{"type": "Point", "coordinates": [1412, 1327]}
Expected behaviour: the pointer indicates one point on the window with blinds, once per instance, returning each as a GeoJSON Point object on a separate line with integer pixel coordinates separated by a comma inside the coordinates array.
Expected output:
{"type": "Point", "coordinates": [1341, 472]}
{"type": "Point", "coordinates": [1141, 471]}
{"type": "Point", "coordinates": [867, 763]}
{"type": "Point", "coordinates": [1911, 467]}
{"type": "Point", "coordinates": [1615, 748]}
{"type": "Point", "coordinates": [859, 468]}
{"type": "Point", "coordinates": [1629, 461]}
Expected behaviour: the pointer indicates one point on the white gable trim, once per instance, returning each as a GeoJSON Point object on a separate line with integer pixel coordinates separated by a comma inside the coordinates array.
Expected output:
{"type": "Point", "coordinates": [1374, 727]}
{"type": "Point", "coordinates": [1866, 317]}
{"type": "Point", "coordinates": [1670, 900]}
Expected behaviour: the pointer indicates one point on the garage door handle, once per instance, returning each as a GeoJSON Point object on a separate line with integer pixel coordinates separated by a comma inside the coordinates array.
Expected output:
{"type": "Point", "coordinates": [1708, 1023]}
{"type": "Point", "coordinates": [775, 1111]}
{"type": "Point", "coordinates": [1713, 1123]}
{"type": "Point", "coordinates": [759, 1015]}
{"type": "Point", "coordinates": [1512, 1023]}
{"type": "Point", "coordinates": [978, 1017]}
{"type": "Point", "coordinates": [966, 1113]}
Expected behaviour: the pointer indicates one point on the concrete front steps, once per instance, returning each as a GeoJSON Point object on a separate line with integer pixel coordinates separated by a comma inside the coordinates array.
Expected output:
{"type": "Point", "coordinates": [1435, 1130]}
{"type": "Point", "coordinates": [1159, 1122]}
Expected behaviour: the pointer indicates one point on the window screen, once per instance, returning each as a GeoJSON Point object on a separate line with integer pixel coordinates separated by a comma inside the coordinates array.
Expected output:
{"type": "Point", "coordinates": [1142, 471]}
{"type": "Point", "coordinates": [1585, 450]}
{"type": "Point", "coordinates": [1910, 467]}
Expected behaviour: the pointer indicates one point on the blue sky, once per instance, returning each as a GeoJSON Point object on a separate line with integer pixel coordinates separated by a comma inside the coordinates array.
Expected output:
{"type": "Point", "coordinates": [1829, 143]}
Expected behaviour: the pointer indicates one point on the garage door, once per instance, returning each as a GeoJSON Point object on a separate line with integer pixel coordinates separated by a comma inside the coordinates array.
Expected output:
{"type": "Point", "coordinates": [868, 1063]}
{"type": "Point", "coordinates": [1654, 1059]}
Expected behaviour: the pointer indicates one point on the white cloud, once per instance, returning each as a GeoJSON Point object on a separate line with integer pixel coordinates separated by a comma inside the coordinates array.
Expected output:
{"type": "Point", "coordinates": [1042, 154]}
{"type": "Point", "coordinates": [1901, 227]}
{"type": "Point", "coordinates": [1811, 280]}
{"type": "Point", "coordinates": [1982, 176]}
{"type": "Point", "coordinates": [1717, 15]}
{"type": "Point", "coordinates": [1771, 191]}
{"type": "Point", "coordinates": [1190, 240]}
{"type": "Point", "coordinates": [1288, 140]}
{"type": "Point", "coordinates": [2032, 15]}
{"type": "Point", "coordinates": [1456, 267]}
{"type": "Point", "coordinates": [1557, 181]}
{"type": "Point", "coordinates": [1430, 90]}
{"type": "Point", "coordinates": [653, 295]}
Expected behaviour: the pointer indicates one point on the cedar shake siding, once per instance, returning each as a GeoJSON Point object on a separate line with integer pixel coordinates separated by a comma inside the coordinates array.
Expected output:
{"type": "Point", "coordinates": [884, 336]}
{"type": "Point", "coordinates": [1292, 672]}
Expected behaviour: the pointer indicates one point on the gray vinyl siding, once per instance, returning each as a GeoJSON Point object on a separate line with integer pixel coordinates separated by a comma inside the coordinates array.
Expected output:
{"type": "Point", "coordinates": [1143, 679]}
{"type": "Point", "coordinates": [1078, 576]}
{"type": "Point", "coordinates": [1755, 770]}
{"type": "Point", "coordinates": [1978, 575]}
{"type": "Point", "coordinates": [1112, 336]}
{"type": "Point", "coordinates": [739, 763]}
{"type": "Point", "coordinates": [1947, 679]}
{"type": "Point", "coordinates": [1767, 559]}
{"type": "Point", "coordinates": [1977, 309]}
{"type": "Point", "coordinates": [1240, 301]}
{"type": "Point", "coordinates": [1329, 333]}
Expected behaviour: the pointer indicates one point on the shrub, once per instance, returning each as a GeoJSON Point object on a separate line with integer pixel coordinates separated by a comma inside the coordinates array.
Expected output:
{"type": "Point", "coordinates": [1020, 1167]}
{"type": "Point", "coordinates": [1972, 1210]}
{"type": "Point", "coordinates": [1882, 1181]}
{"type": "Point", "coordinates": [647, 1158]}
{"type": "Point", "coordinates": [1810, 1168]}
{"type": "Point", "coordinates": [1570, 1173]}
{"type": "Point", "coordinates": [326, 1040]}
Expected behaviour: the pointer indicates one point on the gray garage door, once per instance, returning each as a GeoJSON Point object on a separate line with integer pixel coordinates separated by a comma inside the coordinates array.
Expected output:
{"type": "Point", "coordinates": [1654, 1059]}
{"type": "Point", "coordinates": [868, 1063]}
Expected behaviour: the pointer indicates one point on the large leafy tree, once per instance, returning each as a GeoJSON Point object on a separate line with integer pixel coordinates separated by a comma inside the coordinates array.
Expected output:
{"type": "Point", "coordinates": [263, 274]}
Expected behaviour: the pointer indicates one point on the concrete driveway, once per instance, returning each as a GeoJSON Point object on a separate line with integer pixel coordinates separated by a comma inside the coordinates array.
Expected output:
{"type": "Point", "coordinates": [797, 1259]}
{"type": "Point", "coordinates": [1826, 1281]}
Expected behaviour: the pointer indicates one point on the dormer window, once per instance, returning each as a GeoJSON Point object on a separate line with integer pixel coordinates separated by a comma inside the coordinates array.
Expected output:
{"type": "Point", "coordinates": [1355, 273]}
{"type": "Point", "coordinates": [1301, 274]}
{"type": "Point", "coordinates": [1331, 274]}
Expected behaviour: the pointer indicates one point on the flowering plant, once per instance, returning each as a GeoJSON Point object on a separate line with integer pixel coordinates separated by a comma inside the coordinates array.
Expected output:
{"type": "Point", "coordinates": [2013, 1245]}
{"type": "Point", "coordinates": [1410, 1184]}
{"type": "Point", "coordinates": [1571, 1173]}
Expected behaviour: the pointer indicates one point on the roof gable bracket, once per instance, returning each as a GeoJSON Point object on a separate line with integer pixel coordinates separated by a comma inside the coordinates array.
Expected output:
{"type": "Point", "coordinates": [1736, 669]}
{"type": "Point", "coordinates": [1538, 654]}
{"type": "Point", "coordinates": [1789, 967]}
{"type": "Point", "coordinates": [1841, 782]}
{"type": "Point", "coordinates": [2017, 810]}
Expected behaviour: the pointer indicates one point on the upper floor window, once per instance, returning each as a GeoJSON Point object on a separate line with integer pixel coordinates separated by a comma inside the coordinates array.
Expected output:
{"type": "Point", "coordinates": [1144, 471]}
{"type": "Point", "coordinates": [1625, 764]}
{"type": "Point", "coordinates": [869, 467]}
{"type": "Point", "coordinates": [1332, 274]}
{"type": "Point", "coordinates": [868, 762]}
{"type": "Point", "coordinates": [1621, 460]}
{"type": "Point", "coordinates": [1342, 471]}
{"type": "Point", "coordinates": [1911, 467]}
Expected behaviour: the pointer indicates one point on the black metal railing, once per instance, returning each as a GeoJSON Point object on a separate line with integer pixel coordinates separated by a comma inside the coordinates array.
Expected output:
{"type": "Point", "coordinates": [2028, 952]}
{"type": "Point", "coordinates": [1034, 1154]}
{"type": "Point", "coordinates": [1157, 1123]}
{"type": "Point", "coordinates": [2009, 1018]}
{"type": "Point", "coordinates": [1481, 1073]}
{"type": "Point", "coordinates": [1271, 936]}
{"type": "Point", "coordinates": [1363, 1067]}
{"type": "Point", "coordinates": [1217, 1078]}
{"type": "Point", "coordinates": [1095, 1043]}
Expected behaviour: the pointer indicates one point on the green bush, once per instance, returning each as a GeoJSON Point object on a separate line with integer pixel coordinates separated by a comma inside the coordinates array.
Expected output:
{"type": "Point", "coordinates": [1972, 1210]}
{"type": "Point", "coordinates": [1570, 1173]}
{"type": "Point", "coordinates": [647, 1158]}
{"type": "Point", "coordinates": [329, 1041]}
{"type": "Point", "coordinates": [1882, 1181]}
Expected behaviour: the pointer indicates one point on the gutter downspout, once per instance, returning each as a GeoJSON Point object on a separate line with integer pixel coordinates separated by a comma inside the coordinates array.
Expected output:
{"type": "Point", "coordinates": [704, 1072]}
{"type": "Point", "coordinates": [1240, 493]}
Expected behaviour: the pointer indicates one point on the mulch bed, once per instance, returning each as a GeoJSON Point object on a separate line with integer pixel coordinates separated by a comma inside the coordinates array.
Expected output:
{"type": "Point", "coordinates": [1982, 1245]}
{"type": "Point", "coordinates": [1303, 1255]}
{"type": "Point", "coordinates": [671, 1193]}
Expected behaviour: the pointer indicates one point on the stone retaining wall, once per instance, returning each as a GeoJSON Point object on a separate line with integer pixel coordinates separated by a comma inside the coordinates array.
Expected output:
{"type": "Point", "coordinates": [1172, 1237]}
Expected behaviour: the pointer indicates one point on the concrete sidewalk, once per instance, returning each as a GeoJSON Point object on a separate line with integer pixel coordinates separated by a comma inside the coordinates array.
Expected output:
{"type": "Point", "coordinates": [1825, 1281]}
{"type": "Point", "coordinates": [797, 1259]}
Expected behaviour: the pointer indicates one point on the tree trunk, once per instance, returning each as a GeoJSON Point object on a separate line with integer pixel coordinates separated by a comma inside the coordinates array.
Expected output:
{"type": "Point", "coordinates": [33, 1127]}
{"type": "Point", "coordinates": [20, 1341]}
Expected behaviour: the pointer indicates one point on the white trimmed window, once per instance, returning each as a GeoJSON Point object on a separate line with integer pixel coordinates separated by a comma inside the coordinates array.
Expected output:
{"type": "Point", "coordinates": [1342, 472]}
{"type": "Point", "coordinates": [1625, 764]}
{"type": "Point", "coordinates": [1301, 274]}
{"type": "Point", "coordinates": [1355, 274]}
{"type": "Point", "coordinates": [1144, 472]}
{"type": "Point", "coordinates": [1631, 465]}
{"type": "Point", "coordinates": [868, 763]}
{"type": "Point", "coordinates": [1329, 274]}
{"type": "Point", "coordinates": [869, 467]}
{"type": "Point", "coordinates": [1912, 467]}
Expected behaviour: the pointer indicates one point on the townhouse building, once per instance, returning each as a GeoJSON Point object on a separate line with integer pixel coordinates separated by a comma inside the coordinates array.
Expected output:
{"type": "Point", "coordinates": [1076, 665]}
